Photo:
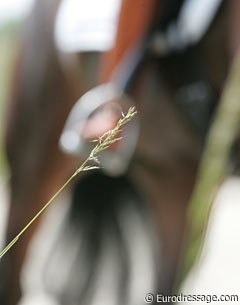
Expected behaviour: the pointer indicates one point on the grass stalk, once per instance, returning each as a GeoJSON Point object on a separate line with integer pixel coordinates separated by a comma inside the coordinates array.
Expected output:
{"type": "Point", "coordinates": [103, 143]}
{"type": "Point", "coordinates": [213, 168]}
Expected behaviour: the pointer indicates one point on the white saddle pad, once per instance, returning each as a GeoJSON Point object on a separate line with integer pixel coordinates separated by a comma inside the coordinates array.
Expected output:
{"type": "Point", "coordinates": [86, 25]}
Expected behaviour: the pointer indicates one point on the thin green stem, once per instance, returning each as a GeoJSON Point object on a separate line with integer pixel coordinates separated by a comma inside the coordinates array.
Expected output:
{"type": "Point", "coordinates": [213, 169]}
{"type": "Point", "coordinates": [103, 143]}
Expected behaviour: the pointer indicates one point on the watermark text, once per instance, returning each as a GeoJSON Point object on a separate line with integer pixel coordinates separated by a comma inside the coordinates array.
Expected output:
{"type": "Point", "coordinates": [188, 298]}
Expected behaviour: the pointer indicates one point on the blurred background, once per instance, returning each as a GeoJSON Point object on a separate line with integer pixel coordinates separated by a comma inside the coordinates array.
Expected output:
{"type": "Point", "coordinates": [218, 270]}
{"type": "Point", "coordinates": [12, 14]}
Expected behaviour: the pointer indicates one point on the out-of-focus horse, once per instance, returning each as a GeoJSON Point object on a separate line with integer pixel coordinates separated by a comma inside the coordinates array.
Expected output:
{"type": "Point", "coordinates": [173, 63]}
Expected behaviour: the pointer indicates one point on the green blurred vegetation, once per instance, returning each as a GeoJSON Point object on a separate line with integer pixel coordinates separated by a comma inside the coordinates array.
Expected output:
{"type": "Point", "coordinates": [8, 45]}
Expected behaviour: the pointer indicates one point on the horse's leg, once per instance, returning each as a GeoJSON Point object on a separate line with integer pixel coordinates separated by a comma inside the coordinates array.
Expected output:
{"type": "Point", "coordinates": [40, 103]}
{"type": "Point", "coordinates": [36, 164]}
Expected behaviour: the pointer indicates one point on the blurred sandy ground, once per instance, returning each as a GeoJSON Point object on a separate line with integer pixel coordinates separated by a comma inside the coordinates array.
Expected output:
{"type": "Point", "coordinates": [217, 272]}
{"type": "Point", "coordinates": [40, 245]}
{"type": "Point", "coordinates": [33, 277]}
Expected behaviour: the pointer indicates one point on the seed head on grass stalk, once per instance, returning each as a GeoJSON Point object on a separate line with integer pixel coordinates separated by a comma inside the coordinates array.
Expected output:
{"type": "Point", "coordinates": [103, 143]}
